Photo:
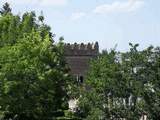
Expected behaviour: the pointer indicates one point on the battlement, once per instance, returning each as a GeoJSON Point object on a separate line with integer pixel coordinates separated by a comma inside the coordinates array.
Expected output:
{"type": "Point", "coordinates": [90, 49]}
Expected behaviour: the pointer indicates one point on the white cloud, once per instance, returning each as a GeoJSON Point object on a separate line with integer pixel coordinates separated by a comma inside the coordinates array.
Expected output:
{"type": "Point", "coordinates": [53, 2]}
{"type": "Point", "coordinates": [128, 6]}
{"type": "Point", "coordinates": [37, 2]}
{"type": "Point", "coordinates": [78, 15]}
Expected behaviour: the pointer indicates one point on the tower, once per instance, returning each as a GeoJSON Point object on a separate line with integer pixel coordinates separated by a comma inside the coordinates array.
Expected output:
{"type": "Point", "coordinates": [78, 57]}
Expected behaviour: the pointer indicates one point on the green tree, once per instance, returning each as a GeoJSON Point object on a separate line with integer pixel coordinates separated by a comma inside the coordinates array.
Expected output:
{"type": "Point", "coordinates": [117, 86]}
{"type": "Point", "coordinates": [152, 85]}
{"type": "Point", "coordinates": [33, 74]}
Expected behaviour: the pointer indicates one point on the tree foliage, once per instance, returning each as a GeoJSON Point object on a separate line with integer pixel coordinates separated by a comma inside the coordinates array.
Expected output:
{"type": "Point", "coordinates": [123, 85]}
{"type": "Point", "coordinates": [33, 74]}
{"type": "Point", "coordinates": [6, 9]}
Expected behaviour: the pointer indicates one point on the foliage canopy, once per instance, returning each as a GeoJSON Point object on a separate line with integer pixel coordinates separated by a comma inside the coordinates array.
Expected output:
{"type": "Point", "coordinates": [33, 73]}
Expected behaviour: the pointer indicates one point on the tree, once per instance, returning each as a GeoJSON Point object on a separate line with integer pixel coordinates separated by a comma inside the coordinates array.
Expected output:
{"type": "Point", "coordinates": [152, 86]}
{"type": "Point", "coordinates": [117, 86]}
{"type": "Point", "coordinates": [6, 9]}
{"type": "Point", "coordinates": [41, 17]}
{"type": "Point", "coordinates": [123, 85]}
{"type": "Point", "coordinates": [13, 27]}
{"type": "Point", "coordinates": [33, 74]}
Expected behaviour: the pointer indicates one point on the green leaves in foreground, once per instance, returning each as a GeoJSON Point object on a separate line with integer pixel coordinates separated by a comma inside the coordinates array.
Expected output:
{"type": "Point", "coordinates": [33, 74]}
{"type": "Point", "coordinates": [122, 85]}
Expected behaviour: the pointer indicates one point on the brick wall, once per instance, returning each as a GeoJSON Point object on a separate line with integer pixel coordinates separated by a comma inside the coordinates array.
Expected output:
{"type": "Point", "coordinates": [78, 57]}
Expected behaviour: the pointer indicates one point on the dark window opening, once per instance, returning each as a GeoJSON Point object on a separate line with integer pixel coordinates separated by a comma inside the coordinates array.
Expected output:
{"type": "Point", "coordinates": [81, 79]}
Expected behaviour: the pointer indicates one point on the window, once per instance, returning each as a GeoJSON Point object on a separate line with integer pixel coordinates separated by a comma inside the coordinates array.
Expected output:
{"type": "Point", "coordinates": [80, 79]}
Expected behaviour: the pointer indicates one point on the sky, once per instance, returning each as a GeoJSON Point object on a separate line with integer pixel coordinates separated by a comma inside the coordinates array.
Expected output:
{"type": "Point", "coordinates": [110, 22]}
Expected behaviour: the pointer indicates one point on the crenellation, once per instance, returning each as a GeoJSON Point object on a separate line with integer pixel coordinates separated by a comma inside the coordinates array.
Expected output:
{"type": "Point", "coordinates": [96, 46]}
{"type": "Point", "coordinates": [81, 46]}
{"type": "Point", "coordinates": [89, 46]}
{"type": "Point", "coordinates": [90, 49]}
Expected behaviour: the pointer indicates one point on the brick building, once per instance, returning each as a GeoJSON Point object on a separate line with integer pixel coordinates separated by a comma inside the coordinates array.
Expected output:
{"type": "Point", "coordinates": [78, 57]}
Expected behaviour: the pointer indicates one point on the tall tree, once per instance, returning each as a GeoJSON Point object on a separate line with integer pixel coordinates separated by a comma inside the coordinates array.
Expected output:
{"type": "Point", "coordinates": [117, 85]}
{"type": "Point", "coordinates": [33, 74]}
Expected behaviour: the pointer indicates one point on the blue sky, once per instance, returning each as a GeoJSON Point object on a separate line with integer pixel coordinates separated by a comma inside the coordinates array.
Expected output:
{"type": "Point", "coordinates": [109, 22]}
